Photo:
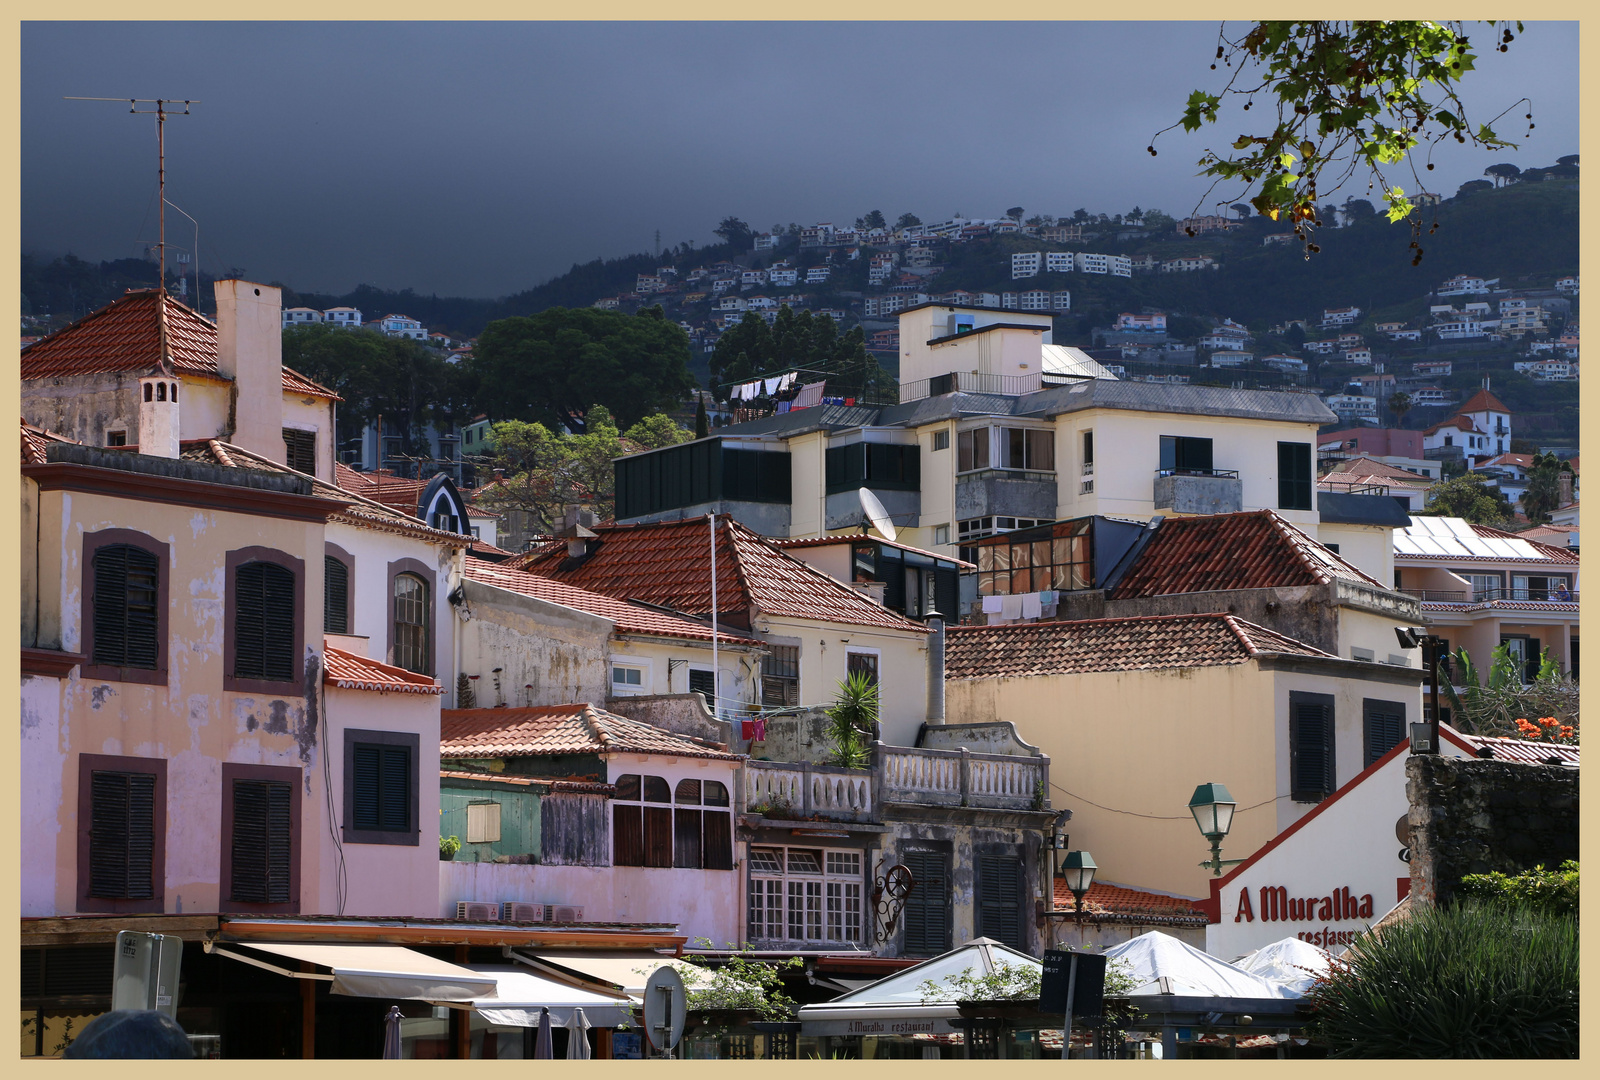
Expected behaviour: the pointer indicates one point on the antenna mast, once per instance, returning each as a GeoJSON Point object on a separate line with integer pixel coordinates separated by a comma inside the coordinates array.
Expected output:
{"type": "Point", "coordinates": [161, 113]}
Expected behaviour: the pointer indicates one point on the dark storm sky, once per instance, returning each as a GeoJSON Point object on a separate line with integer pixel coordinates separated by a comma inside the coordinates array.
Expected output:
{"type": "Point", "coordinates": [479, 159]}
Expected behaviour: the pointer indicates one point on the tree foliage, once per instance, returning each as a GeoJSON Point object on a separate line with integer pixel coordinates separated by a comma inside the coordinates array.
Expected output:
{"type": "Point", "coordinates": [546, 472]}
{"type": "Point", "coordinates": [852, 721]}
{"type": "Point", "coordinates": [796, 340]}
{"type": "Point", "coordinates": [1554, 892]}
{"type": "Point", "coordinates": [1544, 487]}
{"type": "Point", "coordinates": [1340, 97]}
{"type": "Point", "coordinates": [1499, 703]}
{"type": "Point", "coordinates": [741, 983]}
{"type": "Point", "coordinates": [1470, 498]}
{"type": "Point", "coordinates": [735, 233]}
{"type": "Point", "coordinates": [550, 367]}
{"type": "Point", "coordinates": [407, 383]}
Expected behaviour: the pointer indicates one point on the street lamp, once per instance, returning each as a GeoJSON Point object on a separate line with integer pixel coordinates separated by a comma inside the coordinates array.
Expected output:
{"type": "Point", "coordinates": [1079, 872]}
{"type": "Point", "coordinates": [1425, 736]}
{"type": "Point", "coordinates": [1212, 808]}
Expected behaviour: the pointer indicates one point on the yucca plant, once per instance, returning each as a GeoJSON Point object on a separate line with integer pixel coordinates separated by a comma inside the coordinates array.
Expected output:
{"type": "Point", "coordinates": [1472, 980]}
{"type": "Point", "coordinates": [851, 719]}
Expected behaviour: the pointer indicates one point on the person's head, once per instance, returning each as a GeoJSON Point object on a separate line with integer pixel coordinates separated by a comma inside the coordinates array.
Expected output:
{"type": "Point", "coordinates": [131, 1033]}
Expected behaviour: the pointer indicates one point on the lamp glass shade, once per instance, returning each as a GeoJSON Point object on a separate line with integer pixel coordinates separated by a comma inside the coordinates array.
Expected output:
{"type": "Point", "coordinates": [1212, 808]}
{"type": "Point", "coordinates": [1079, 871]}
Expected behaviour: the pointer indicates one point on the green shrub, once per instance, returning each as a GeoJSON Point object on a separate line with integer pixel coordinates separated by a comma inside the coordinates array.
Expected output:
{"type": "Point", "coordinates": [1552, 891]}
{"type": "Point", "coordinates": [1473, 980]}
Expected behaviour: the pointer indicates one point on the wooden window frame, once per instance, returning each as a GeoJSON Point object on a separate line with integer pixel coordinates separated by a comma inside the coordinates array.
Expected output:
{"type": "Point", "coordinates": [233, 561]}
{"type": "Point", "coordinates": [339, 554]}
{"type": "Point", "coordinates": [88, 765]}
{"type": "Point", "coordinates": [92, 543]}
{"type": "Point", "coordinates": [655, 823]}
{"type": "Point", "coordinates": [948, 930]}
{"type": "Point", "coordinates": [232, 771]}
{"type": "Point", "coordinates": [1011, 861]}
{"type": "Point", "coordinates": [430, 579]}
{"type": "Point", "coordinates": [412, 835]}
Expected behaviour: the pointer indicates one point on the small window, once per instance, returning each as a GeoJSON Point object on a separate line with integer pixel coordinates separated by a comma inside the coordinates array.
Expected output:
{"type": "Point", "coordinates": [411, 623]}
{"type": "Point", "coordinates": [972, 450]}
{"type": "Point", "coordinates": [1088, 451]}
{"type": "Point", "coordinates": [864, 662]}
{"type": "Point", "coordinates": [626, 678]}
{"type": "Point", "coordinates": [1294, 476]}
{"type": "Point", "coordinates": [941, 440]}
{"type": "Point", "coordinates": [116, 438]}
{"type": "Point", "coordinates": [1383, 726]}
{"type": "Point", "coordinates": [780, 676]}
{"type": "Point", "coordinates": [941, 534]}
{"type": "Point", "coordinates": [703, 681]}
{"type": "Point", "coordinates": [1182, 454]}
{"type": "Point", "coordinates": [483, 823]}
{"type": "Point", "coordinates": [1311, 761]}
{"type": "Point", "coordinates": [301, 449]}
{"type": "Point", "coordinates": [335, 595]}
{"type": "Point", "coordinates": [124, 605]}
{"type": "Point", "coordinates": [382, 782]}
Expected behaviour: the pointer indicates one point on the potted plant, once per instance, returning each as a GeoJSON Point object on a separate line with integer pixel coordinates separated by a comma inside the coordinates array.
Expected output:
{"type": "Point", "coordinates": [448, 846]}
{"type": "Point", "coordinates": [851, 720]}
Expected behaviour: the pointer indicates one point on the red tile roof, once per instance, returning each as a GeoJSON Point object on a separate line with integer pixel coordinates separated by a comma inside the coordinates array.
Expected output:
{"type": "Point", "coordinates": [561, 729]}
{"type": "Point", "coordinates": [381, 486]}
{"type": "Point", "coordinates": [630, 618]}
{"type": "Point", "coordinates": [669, 563]}
{"type": "Point", "coordinates": [36, 440]}
{"type": "Point", "coordinates": [1218, 552]}
{"type": "Point", "coordinates": [1482, 401]}
{"type": "Point", "coordinates": [125, 336]}
{"type": "Point", "coordinates": [574, 786]}
{"type": "Point", "coordinates": [348, 671]}
{"type": "Point", "coordinates": [1106, 902]}
{"type": "Point", "coordinates": [1363, 468]}
{"type": "Point", "coordinates": [1144, 643]}
{"type": "Point", "coordinates": [1523, 750]}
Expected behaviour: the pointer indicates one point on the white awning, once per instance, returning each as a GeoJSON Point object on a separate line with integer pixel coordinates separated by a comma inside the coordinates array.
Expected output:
{"type": "Point", "coordinates": [521, 993]}
{"type": "Point", "coordinates": [372, 971]}
{"type": "Point", "coordinates": [627, 971]}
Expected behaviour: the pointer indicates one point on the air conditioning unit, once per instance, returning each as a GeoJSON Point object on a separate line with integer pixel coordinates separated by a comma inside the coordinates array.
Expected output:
{"type": "Point", "coordinates": [565, 913]}
{"type": "Point", "coordinates": [476, 912]}
{"type": "Point", "coordinates": [516, 911]}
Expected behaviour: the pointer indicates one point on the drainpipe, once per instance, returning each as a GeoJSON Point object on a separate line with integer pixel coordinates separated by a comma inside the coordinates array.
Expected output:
{"type": "Point", "coordinates": [935, 668]}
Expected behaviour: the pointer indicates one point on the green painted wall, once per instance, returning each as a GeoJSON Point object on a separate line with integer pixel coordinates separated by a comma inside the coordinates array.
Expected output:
{"type": "Point", "coordinates": [519, 818]}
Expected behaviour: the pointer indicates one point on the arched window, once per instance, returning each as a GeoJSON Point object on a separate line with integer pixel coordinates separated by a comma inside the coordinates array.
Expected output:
{"type": "Point", "coordinates": [264, 623]}
{"type": "Point", "coordinates": [411, 623]}
{"type": "Point", "coordinates": [125, 611]}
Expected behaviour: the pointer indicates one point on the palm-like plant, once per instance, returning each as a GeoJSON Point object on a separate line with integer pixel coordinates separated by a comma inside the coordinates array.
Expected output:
{"type": "Point", "coordinates": [851, 720]}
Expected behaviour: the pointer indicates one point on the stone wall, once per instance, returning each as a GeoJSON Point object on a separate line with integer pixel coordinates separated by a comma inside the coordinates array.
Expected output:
{"type": "Point", "coordinates": [1472, 816]}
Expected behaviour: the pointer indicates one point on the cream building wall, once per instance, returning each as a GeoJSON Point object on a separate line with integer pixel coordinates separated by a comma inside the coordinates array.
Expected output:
{"type": "Point", "coordinates": [1127, 749]}
{"type": "Point", "coordinates": [824, 648]}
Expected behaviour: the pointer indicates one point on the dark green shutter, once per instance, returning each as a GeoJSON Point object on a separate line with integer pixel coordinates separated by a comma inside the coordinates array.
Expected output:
{"type": "Point", "coordinates": [263, 622]}
{"type": "Point", "coordinates": [262, 838]}
{"type": "Point", "coordinates": [704, 682]}
{"type": "Point", "coordinates": [381, 799]}
{"type": "Point", "coordinates": [1383, 727]}
{"type": "Point", "coordinates": [122, 836]}
{"type": "Point", "coordinates": [1294, 476]}
{"type": "Point", "coordinates": [335, 596]}
{"type": "Point", "coordinates": [925, 912]}
{"type": "Point", "coordinates": [126, 621]}
{"type": "Point", "coordinates": [999, 901]}
{"type": "Point", "coordinates": [1311, 769]}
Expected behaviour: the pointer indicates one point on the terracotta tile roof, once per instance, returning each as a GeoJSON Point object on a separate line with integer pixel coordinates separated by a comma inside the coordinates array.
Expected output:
{"type": "Point", "coordinates": [630, 618]}
{"type": "Point", "coordinates": [125, 336]}
{"type": "Point", "coordinates": [348, 671]}
{"type": "Point", "coordinates": [1483, 401]}
{"type": "Point", "coordinates": [1460, 423]}
{"type": "Point", "coordinates": [381, 486]}
{"type": "Point", "coordinates": [669, 563]}
{"type": "Point", "coordinates": [35, 441]}
{"type": "Point", "coordinates": [561, 729]}
{"type": "Point", "coordinates": [1144, 643]}
{"type": "Point", "coordinates": [575, 786]}
{"type": "Point", "coordinates": [1106, 902]}
{"type": "Point", "coordinates": [1217, 552]}
{"type": "Point", "coordinates": [1365, 468]}
{"type": "Point", "coordinates": [1524, 750]}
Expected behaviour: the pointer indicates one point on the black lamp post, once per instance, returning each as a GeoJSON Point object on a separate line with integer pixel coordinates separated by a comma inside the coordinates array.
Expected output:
{"type": "Point", "coordinates": [1212, 808]}
{"type": "Point", "coordinates": [1079, 872]}
{"type": "Point", "coordinates": [1425, 736]}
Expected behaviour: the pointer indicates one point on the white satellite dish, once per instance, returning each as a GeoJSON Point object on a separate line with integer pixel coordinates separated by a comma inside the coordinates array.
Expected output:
{"type": "Point", "coordinates": [875, 513]}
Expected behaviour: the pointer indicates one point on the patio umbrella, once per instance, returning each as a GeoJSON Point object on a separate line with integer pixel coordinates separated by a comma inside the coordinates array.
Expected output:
{"type": "Point", "coordinates": [541, 1044]}
{"type": "Point", "coordinates": [391, 1034]}
{"type": "Point", "coordinates": [578, 1035]}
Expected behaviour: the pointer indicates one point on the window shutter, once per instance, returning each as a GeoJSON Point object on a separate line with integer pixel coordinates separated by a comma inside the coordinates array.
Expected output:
{"type": "Point", "coordinates": [335, 596]}
{"type": "Point", "coordinates": [263, 622]}
{"type": "Point", "coordinates": [262, 834]}
{"type": "Point", "coordinates": [382, 795]}
{"type": "Point", "coordinates": [122, 836]}
{"type": "Point", "coordinates": [704, 682]}
{"type": "Point", "coordinates": [627, 833]}
{"type": "Point", "coordinates": [124, 604]}
{"type": "Point", "coordinates": [718, 854]}
{"type": "Point", "coordinates": [924, 912]}
{"type": "Point", "coordinates": [301, 447]}
{"type": "Point", "coordinates": [998, 901]}
{"type": "Point", "coordinates": [1294, 476]}
{"type": "Point", "coordinates": [686, 849]}
{"type": "Point", "coordinates": [658, 836]}
{"type": "Point", "coordinates": [1385, 727]}
{"type": "Point", "coordinates": [1310, 747]}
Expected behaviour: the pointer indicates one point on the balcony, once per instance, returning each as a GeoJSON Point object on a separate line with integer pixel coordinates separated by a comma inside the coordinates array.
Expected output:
{"type": "Point", "coordinates": [1007, 492]}
{"type": "Point", "coordinates": [1489, 596]}
{"type": "Point", "coordinates": [1199, 491]}
{"type": "Point", "coordinates": [971, 382]}
{"type": "Point", "coordinates": [797, 791]}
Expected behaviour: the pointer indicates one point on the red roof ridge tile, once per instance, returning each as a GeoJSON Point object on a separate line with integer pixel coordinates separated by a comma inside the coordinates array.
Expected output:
{"type": "Point", "coordinates": [349, 671]}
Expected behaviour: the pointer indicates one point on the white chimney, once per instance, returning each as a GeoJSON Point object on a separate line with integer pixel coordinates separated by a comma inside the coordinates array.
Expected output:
{"type": "Point", "coordinates": [250, 352]}
{"type": "Point", "coordinates": [158, 416]}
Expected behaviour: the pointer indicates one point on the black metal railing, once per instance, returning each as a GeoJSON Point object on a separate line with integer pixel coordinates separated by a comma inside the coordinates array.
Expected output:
{"type": "Point", "coordinates": [1482, 596]}
{"type": "Point", "coordinates": [1353, 487]}
{"type": "Point", "coordinates": [1221, 474]}
{"type": "Point", "coordinates": [972, 382]}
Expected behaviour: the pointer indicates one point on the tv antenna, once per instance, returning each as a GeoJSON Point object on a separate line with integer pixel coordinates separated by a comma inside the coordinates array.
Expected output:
{"type": "Point", "coordinates": [164, 107]}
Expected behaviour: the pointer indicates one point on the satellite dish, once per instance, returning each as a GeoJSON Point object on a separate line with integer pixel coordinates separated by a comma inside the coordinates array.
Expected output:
{"type": "Point", "coordinates": [875, 513]}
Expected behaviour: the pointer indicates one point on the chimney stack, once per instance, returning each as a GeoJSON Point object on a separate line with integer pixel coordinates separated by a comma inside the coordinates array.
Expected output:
{"type": "Point", "coordinates": [250, 352]}
{"type": "Point", "coordinates": [158, 415]}
{"type": "Point", "coordinates": [935, 622]}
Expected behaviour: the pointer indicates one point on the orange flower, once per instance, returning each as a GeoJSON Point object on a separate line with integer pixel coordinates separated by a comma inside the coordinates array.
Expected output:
{"type": "Point", "coordinates": [1549, 721]}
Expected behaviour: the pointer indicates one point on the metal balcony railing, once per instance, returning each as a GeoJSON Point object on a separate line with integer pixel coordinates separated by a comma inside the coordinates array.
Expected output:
{"type": "Point", "coordinates": [1221, 474]}
{"type": "Point", "coordinates": [974, 383]}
